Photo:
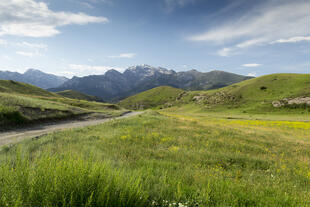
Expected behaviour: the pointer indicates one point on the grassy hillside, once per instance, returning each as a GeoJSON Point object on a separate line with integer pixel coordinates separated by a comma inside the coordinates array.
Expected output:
{"type": "Point", "coordinates": [254, 95]}
{"type": "Point", "coordinates": [23, 103]}
{"type": "Point", "coordinates": [175, 159]}
{"type": "Point", "coordinates": [14, 87]}
{"type": "Point", "coordinates": [77, 95]}
{"type": "Point", "coordinates": [155, 97]}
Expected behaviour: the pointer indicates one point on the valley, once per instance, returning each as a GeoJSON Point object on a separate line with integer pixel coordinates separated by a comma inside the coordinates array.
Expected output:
{"type": "Point", "coordinates": [221, 147]}
{"type": "Point", "coordinates": [165, 103]}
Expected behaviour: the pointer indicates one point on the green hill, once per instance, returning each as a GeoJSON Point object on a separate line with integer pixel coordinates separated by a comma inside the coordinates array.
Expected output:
{"type": "Point", "coordinates": [155, 97]}
{"type": "Point", "coordinates": [9, 86]}
{"type": "Point", "coordinates": [256, 95]}
{"type": "Point", "coordinates": [22, 103]}
{"type": "Point", "coordinates": [78, 95]}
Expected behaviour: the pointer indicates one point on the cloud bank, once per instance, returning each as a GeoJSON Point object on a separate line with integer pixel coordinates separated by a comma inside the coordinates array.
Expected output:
{"type": "Point", "coordinates": [81, 70]}
{"type": "Point", "coordinates": [251, 65]}
{"type": "Point", "coordinates": [34, 19]}
{"type": "Point", "coordinates": [278, 21]}
{"type": "Point", "coordinates": [124, 55]}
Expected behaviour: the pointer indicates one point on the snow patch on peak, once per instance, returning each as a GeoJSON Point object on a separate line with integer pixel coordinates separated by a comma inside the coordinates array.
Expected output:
{"type": "Point", "coordinates": [148, 70]}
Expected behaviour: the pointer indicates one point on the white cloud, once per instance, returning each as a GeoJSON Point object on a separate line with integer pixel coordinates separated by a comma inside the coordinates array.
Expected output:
{"type": "Point", "coordinates": [277, 21]}
{"type": "Point", "coordinates": [225, 52]}
{"type": "Point", "coordinates": [292, 40]}
{"type": "Point", "coordinates": [24, 44]}
{"type": "Point", "coordinates": [88, 5]}
{"type": "Point", "coordinates": [252, 74]}
{"type": "Point", "coordinates": [170, 5]}
{"type": "Point", "coordinates": [91, 70]}
{"type": "Point", "coordinates": [3, 42]}
{"type": "Point", "coordinates": [26, 54]}
{"type": "Point", "coordinates": [34, 19]}
{"type": "Point", "coordinates": [66, 73]}
{"type": "Point", "coordinates": [179, 2]}
{"type": "Point", "coordinates": [6, 57]}
{"type": "Point", "coordinates": [32, 45]}
{"type": "Point", "coordinates": [250, 43]}
{"type": "Point", "coordinates": [251, 65]}
{"type": "Point", "coordinates": [124, 55]}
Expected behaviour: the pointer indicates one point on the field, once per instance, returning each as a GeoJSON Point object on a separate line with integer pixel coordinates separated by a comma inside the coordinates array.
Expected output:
{"type": "Point", "coordinates": [224, 147]}
{"type": "Point", "coordinates": [165, 158]}
{"type": "Point", "coordinates": [254, 96]}
{"type": "Point", "coordinates": [78, 95]}
{"type": "Point", "coordinates": [22, 104]}
{"type": "Point", "coordinates": [154, 98]}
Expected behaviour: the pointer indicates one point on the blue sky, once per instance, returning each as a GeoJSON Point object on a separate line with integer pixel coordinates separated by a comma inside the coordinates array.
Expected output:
{"type": "Point", "coordinates": [83, 37]}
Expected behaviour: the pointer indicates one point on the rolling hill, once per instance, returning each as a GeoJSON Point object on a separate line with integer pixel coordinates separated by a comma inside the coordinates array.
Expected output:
{"type": "Point", "coordinates": [270, 93]}
{"type": "Point", "coordinates": [78, 95]}
{"type": "Point", "coordinates": [22, 103]}
{"type": "Point", "coordinates": [257, 95]}
{"type": "Point", "coordinates": [14, 87]}
{"type": "Point", "coordinates": [155, 97]}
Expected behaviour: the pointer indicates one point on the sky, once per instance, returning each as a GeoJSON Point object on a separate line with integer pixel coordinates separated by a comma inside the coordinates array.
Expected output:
{"type": "Point", "coordinates": [87, 37]}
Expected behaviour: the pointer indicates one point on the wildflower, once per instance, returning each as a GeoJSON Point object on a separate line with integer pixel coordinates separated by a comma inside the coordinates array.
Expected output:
{"type": "Point", "coordinates": [174, 148]}
{"type": "Point", "coordinates": [123, 137]}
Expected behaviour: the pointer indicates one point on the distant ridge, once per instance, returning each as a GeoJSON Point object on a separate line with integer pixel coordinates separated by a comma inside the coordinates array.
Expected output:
{"type": "Point", "coordinates": [34, 77]}
{"type": "Point", "coordinates": [114, 86]}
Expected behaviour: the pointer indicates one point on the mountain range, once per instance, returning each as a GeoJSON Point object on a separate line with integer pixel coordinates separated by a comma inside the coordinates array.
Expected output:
{"type": "Point", "coordinates": [114, 86]}
{"type": "Point", "coordinates": [34, 77]}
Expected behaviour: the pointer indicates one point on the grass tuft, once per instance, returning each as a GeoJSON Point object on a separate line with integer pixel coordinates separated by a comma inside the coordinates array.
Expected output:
{"type": "Point", "coordinates": [66, 181]}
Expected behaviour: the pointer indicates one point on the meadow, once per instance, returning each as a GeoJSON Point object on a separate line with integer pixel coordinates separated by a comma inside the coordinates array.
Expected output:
{"type": "Point", "coordinates": [163, 158]}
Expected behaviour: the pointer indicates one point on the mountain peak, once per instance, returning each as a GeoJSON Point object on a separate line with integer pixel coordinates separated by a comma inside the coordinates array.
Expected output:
{"type": "Point", "coordinates": [114, 85]}
{"type": "Point", "coordinates": [31, 70]}
{"type": "Point", "coordinates": [148, 70]}
{"type": "Point", "coordinates": [140, 67]}
{"type": "Point", "coordinates": [35, 77]}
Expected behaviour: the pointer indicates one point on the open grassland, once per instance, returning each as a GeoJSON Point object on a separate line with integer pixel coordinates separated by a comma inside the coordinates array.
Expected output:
{"type": "Point", "coordinates": [169, 159]}
{"type": "Point", "coordinates": [22, 103]}
{"type": "Point", "coordinates": [77, 95]}
{"type": "Point", "coordinates": [153, 98]}
{"type": "Point", "coordinates": [255, 96]}
{"type": "Point", "coordinates": [9, 86]}
{"type": "Point", "coordinates": [16, 109]}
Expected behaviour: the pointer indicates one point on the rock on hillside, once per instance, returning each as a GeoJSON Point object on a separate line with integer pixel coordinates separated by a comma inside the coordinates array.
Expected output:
{"type": "Point", "coordinates": [292, 102]}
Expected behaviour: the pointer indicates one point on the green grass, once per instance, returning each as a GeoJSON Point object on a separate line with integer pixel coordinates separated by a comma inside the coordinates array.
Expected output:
{"type": "Point", "coordinates": [23, 103]}
{"type": "Point", "coordinates": [233, 153]}
{"type": "Point", "coordinates": [14, 87]}
{"type": "Point", "coordinates": [155, 97]}
{"type": "Point", "coordinates": [77, 95]}
{"type": "Point", "coordinates": [66, 181]}
{"type": "Point", "coordinates": [254, 96]}
{"type": "Point", "coordinates": [178, 157]}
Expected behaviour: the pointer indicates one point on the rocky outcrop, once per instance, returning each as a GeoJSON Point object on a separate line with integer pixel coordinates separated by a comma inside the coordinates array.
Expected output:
{"type": "Point", "coordinates": [216, 98]}
{"type": "Point", "coordinates": [291, 101]}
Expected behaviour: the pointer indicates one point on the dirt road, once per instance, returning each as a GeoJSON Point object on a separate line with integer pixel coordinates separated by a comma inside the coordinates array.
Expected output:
{"type": "Point", "coordinates": [18, 135]}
